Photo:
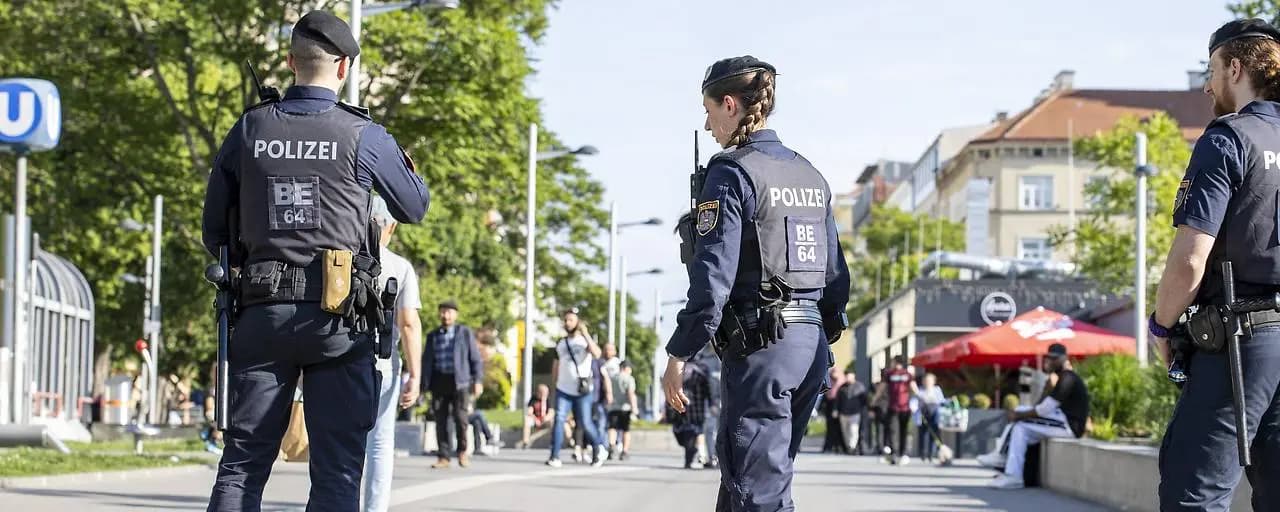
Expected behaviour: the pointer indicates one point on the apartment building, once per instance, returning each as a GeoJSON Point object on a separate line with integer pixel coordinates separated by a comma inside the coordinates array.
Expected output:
{"type": "Point", "coordinates": [1011, 184]}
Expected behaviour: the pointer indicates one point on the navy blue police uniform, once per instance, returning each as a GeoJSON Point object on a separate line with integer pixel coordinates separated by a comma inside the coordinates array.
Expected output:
{"type": "Point", "coordinates": [740, 248]}
{"type": "Point", "coordinates": [1231, 191]}
{"type": "Point", "coordinates": [299, 171]}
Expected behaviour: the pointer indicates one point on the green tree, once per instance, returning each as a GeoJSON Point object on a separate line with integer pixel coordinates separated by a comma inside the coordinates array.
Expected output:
{"type": "Point", "coordinates": [1265, 9]}
{"type": "Point", "coordinates": [1104, 238]}
{"type": "Point", "coordinates": [149, 87]}
{"type": "Point", "coordinates": [894, 250]}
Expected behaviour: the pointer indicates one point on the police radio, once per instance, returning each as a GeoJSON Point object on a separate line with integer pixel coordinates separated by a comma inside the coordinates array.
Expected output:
{"type": "Point", "coordinates": [685, 225]}
{"type": "Point", "coordinates": [265, 94]}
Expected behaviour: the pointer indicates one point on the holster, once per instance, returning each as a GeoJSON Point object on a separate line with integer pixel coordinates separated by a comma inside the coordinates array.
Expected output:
{"type": "Point", "coordinates": [1207, 328]}
{"type": "Point", "coordinates": [273, 281]}
{"type": "Point", "coordinates": [747, 331]}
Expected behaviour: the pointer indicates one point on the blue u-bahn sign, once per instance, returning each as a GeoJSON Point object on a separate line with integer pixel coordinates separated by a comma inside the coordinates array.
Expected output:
{"type": "Point", "coordinates": [30, 115]}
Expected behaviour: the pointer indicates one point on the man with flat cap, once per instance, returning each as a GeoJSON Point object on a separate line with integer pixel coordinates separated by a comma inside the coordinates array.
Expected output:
{"type": "Point", "coordinates": [1227, 209]}
{"type": "Point", "coordinates": [289, 194]}
{"type": "Point", "coordinates": [453, 372]}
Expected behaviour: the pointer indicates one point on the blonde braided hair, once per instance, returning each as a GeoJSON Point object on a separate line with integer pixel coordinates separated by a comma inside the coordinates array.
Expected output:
{"type": "Point", "coordinates": [756, 94]}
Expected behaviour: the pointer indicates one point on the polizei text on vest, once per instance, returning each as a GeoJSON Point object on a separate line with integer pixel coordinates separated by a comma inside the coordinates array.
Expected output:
{"type": "Point", "coordinates": [794, 196]}
{"type": "Point", "coordinates": [295, 149]}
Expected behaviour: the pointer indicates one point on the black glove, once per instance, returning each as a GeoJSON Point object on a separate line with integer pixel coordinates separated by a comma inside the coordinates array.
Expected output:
{"type": "Point", "coordinates": [834, 325]}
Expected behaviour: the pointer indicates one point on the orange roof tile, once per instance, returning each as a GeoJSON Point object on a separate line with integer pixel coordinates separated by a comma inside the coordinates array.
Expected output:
{"type": "Point", "coordinates": [1095, 110]}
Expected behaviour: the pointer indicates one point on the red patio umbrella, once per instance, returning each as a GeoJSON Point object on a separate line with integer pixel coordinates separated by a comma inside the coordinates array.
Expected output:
{"type": "Point", "coordinates": [1024, 339]}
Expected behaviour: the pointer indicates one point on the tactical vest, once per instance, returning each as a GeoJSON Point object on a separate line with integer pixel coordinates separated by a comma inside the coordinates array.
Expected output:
{"type": "Point", "coordinates": [792, 203]}
{"type": "Point", "coordinates": [298, 189]}
{"type": "Point", "coordinates": [1248, 237]}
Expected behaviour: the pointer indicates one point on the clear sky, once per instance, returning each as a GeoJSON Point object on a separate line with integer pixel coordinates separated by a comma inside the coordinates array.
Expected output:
{"type": "Point", "coordinates": [859, 80]}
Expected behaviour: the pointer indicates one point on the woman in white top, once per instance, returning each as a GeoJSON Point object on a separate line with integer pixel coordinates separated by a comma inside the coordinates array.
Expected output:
{"type": "Point", "coordinates": [574, 386]}
{"type": "Point", "coordinates": [931, 399]}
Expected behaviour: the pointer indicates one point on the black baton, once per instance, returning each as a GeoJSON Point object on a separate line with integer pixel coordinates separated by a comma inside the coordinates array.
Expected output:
{"type": "Point", "coordinates": [220, 275]}
{"type": "Point", "coordinates": [1233, 358]}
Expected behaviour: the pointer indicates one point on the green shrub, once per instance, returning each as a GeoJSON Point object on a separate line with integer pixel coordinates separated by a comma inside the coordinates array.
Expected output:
{"type": "Point", "coordinates": [1103, 429]}
{"type": "Point", "coordinates": [981, 401]}
{"type": "Point", "coordinates": [1009, 402]}
{"type": "Point", "coordinates": [964, 401]}
{"type": "Point", "coordinates": [497, 384]}
{"type": "Point", "coordinates": [1129, 400]}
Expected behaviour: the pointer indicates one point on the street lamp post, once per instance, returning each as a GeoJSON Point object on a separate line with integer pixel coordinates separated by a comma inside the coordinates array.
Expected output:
{"type": "Point", "coordinates": [359, 11]}
{"type": "Point", "coordinates": [1141, 171]}
{"type": "Point", "coordinates": [151, 306]}
{"type": "Point", "coordinates": [622, 313]}
{"type": "Point", "coordinates": [612, 322]}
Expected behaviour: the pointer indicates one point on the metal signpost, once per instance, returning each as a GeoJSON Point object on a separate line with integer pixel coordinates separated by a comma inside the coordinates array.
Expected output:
{"type": "Point", "coordinates": [30, 120]}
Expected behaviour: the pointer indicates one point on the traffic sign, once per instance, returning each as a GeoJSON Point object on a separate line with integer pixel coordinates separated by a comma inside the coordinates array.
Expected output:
{"type": "Point", "coordinates": [30, 115]}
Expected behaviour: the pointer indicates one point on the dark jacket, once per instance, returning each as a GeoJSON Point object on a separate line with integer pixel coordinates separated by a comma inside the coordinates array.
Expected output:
{"type": "Point", "coordinates": [467, 367]}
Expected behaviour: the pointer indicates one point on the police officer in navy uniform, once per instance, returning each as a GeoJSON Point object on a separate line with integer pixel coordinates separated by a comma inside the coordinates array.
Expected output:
{"type": "Point", "coordinates": [299, 172]}
{"type": "Point", "coordinates": [767, 288]}
{"type": "Point", "coordinates": [1227, 209]}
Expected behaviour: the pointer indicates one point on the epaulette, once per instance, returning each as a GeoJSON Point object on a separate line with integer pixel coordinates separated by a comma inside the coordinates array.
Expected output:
{"type": "Point", "coordinates": [363, 112]}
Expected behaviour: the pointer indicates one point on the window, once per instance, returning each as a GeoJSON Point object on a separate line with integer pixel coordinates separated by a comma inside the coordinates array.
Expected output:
{"type": "Point", "coordinates": [1037, 152]}
{"type": "Point", "coordinates": [984, 154]}
{"type": "Point", "coordinates": [1034, 248]}
{"type": "Point", "coordinates": [1035, 192]}
{"type": "Point", "coordinates": [1024, 152]}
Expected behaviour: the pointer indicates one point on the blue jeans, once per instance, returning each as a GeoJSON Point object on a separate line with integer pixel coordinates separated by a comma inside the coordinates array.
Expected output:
{"type": "Point", "coordinates": [601, 415]}
{"type": "Point", "coordinates": [582, 414]}
{"type": "Point", "coordinates": [379, 450]}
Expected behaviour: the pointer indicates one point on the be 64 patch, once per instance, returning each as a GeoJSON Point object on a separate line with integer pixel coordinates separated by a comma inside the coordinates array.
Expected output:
{"type": "Point", "coordinates": [708, 215]}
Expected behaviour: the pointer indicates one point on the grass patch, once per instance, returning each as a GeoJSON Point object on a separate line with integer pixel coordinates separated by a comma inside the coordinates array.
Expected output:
{"type": "Point", "coordinates": [26, 461]}
{"type": "Point", "coordinates": [186, 444]}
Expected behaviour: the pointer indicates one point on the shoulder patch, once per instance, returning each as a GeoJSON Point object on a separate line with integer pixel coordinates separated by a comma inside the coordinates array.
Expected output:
{"type": "Point", "coordinates": [708, 215]}
{"type": "Point", "coordinates": [1181, 197]}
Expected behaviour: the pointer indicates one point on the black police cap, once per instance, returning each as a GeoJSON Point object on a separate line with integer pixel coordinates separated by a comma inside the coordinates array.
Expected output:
{"type": "Point", "coordinates": [734, 66]}
{"type": "Point", "coordinates": [329, 29]}
{"type": "Point", "coordinates": [1242, 29]}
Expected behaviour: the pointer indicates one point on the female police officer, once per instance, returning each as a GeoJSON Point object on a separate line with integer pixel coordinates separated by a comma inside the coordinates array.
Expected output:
{"type": "Point", "coordinates": [766, 274]}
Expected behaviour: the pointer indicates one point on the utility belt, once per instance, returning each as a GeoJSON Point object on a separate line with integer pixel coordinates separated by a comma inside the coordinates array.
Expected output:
{"type": "Point", "coordinates": [746, 329]}
{"type": "Point", "coordinates": [345, 284]}
{"type": "Point", "coordinates": [1208, 329]}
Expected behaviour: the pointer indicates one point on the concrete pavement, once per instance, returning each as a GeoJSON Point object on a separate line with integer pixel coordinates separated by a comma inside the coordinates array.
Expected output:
{"type": "Point", "coordinates": [517, 481]}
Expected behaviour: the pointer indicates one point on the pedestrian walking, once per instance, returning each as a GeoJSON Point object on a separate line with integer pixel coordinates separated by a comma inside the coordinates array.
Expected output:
{"type": "Point", "coordinates": [452, 371]}
{"type": "Point", "coordinates": [394, 393]}
{"type": "Point", "coordinates": [899, 387]}
{"type": "Point", "coordinates": [301, 279]}
{"type": "Point", "coordinates": [575, 387]}
{"type": "Point", "coordinates": [828, 408]}
{"type": "Point", "coordinates": [852, 406]}
{"type": "Point", "coordinates": [1225, 211]}
{"type": "Point", "coordinates": [622, 410]}
{"type": "Point", "coordinates": [760, 250]}
{"type": "Point", "coordinates": [926, 417]}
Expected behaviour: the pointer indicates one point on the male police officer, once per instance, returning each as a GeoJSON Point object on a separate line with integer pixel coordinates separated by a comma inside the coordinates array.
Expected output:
{"type": "Point", "coordinates": [1226, 210]}
{"type": "Point", "coordinates": [299, 172]}
{"type": "Point", "coordinates": [756, 284]}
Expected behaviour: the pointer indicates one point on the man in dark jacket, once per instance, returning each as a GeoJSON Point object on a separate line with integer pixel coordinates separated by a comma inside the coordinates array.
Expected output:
{"type": "Point", "coordinates": [453, 373]}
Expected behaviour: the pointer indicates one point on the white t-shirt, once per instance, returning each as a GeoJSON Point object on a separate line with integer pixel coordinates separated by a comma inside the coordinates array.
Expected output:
{"type": "Point", "coordinates": [394, 265]}
{"type": "Point", "coordinates": [567, 381]}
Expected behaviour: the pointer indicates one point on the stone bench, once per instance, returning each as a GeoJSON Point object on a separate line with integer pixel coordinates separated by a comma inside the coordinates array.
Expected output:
{"type": "Point", "coordinates": [1122, 476]}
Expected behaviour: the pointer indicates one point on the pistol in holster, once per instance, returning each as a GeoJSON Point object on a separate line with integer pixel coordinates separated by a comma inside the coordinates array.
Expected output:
{"type": "Point", "coordinates": [389, 292]}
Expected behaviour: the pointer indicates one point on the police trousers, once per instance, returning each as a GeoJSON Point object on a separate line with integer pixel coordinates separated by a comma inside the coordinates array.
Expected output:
{"type": "Point", "coordinates": [273, 345]}
{"type": "Point", "coordinates": [1199, 462]}
{"type": "Point", "coordinates": [766, 400]}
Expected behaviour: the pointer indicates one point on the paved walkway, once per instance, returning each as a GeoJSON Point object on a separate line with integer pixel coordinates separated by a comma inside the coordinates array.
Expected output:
{"type": "Point", "coordinates": [517, 481]}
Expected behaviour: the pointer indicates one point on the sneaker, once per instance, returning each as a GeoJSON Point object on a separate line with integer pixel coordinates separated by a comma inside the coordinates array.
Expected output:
{"type": "Point", "coordinates": [442, 463]}
{"type": "Point", "coordinates": [696, 465]}
{"type": "Point", "coordinates": [463, 460]}
{"type": "Point", "coordinates": [597, 457]}
{"type": "Point", "coordinates": [991, 460]}
{"type": "Point", "coordinates": [1004, 481]}
{"type": "Point", "coordinates": [624, 456]}
{"type": "Point", "coordinates": [577, 456]}
{"type": "Point", "coordinates": [904, 460]}
{"type": "Point", "coordinates": [555, 463]}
